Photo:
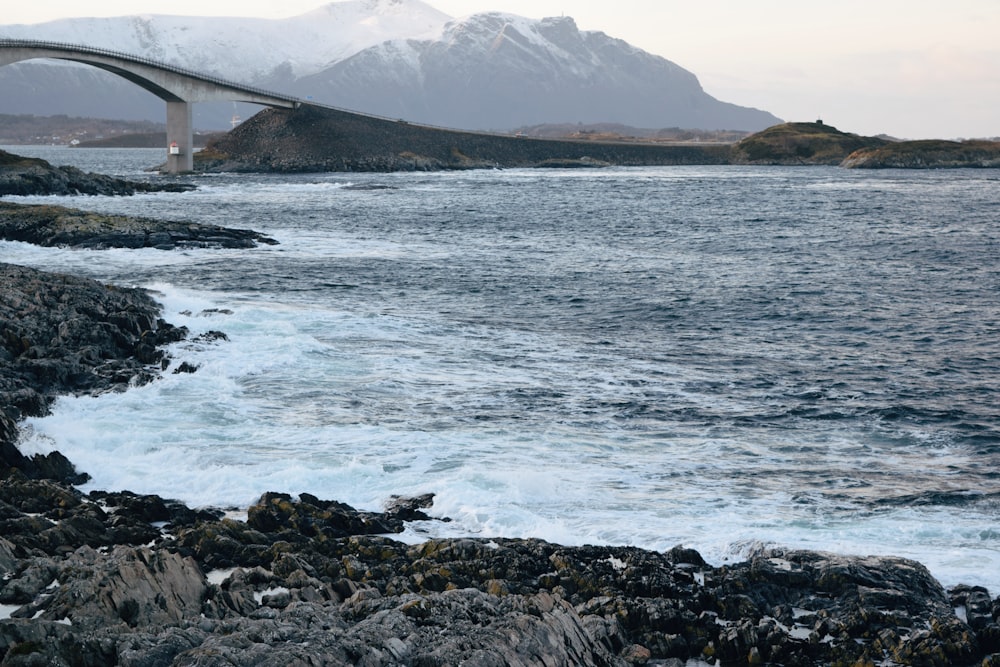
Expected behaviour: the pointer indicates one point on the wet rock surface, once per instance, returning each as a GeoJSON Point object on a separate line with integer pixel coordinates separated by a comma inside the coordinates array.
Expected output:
{"type": "Point", "coordinates": [90, 579]}
{"type": "Point", "coordinates": [34, 176]}
{"type": "Point", "coordinates": [65, 335]}
{"type": "Point", "coordinates": [49, 226]}
{"type": "Point", "coordinates": [118, 578]}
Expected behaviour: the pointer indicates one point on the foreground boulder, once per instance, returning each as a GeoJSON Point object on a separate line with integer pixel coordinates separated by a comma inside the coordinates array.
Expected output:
{"type": "Point", "coordinates": [48, 226]}
{"type": "Point", "coordinates": [33, 176]}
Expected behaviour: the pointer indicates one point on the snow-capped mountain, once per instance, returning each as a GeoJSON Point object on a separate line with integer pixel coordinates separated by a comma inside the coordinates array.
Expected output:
{"type": "Point", "coordinates": [500, 71]}
{"type": "Point", "coordinates": [249, 49]}
{"type": "Point", "coordinates": [397, 58]}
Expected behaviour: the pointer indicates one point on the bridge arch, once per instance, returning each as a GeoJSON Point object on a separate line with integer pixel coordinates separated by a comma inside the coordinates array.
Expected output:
{"type": "Point", "coordinates": [177, 86]}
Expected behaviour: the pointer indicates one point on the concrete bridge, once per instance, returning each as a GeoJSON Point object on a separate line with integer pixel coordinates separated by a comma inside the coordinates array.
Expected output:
{"type": "Point", "coordinates": [178, 87]}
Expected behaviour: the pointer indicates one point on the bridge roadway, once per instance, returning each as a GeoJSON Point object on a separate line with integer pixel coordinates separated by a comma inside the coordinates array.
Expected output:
{"type": "Point", "coordinates": [178, 87]}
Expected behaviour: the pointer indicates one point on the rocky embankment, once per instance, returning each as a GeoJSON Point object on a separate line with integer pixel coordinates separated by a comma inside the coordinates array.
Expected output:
{"type": "Point", "coordinates": [49, 226]}
{"type": "Point", "coordinates": [321, 139]}
{"type": "Point", "coordinates": [33, 176]}
{"type": "Point", "coordinates": [116, 578]}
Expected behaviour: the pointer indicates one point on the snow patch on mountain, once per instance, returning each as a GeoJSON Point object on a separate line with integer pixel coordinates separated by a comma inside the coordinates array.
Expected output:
{"type": "Point", "coordinates": [498, 71]}
{"type": "Point", "coordinates": [249, 49]}
{"type": "Point", "coordinates": [396, 58]}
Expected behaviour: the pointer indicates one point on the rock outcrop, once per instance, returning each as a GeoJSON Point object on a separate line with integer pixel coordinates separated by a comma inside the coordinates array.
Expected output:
{"type": "Point", "coordinates": [795, 144]}
{"type": "Point", "coordinates": [46, 225]}
{"type": "Point", "coordinates": [930, 154]}
{"type": "Point", "coordinates": [65, 335]}
{"type": "Point", "coordinates": [34, 176]}
{"type": "Point", "coordinates": [91, 581]}
{"type": "Point", "coordinates": [816, 143]}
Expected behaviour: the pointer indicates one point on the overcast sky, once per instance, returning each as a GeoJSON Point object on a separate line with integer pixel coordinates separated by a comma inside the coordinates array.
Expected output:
{"type": "Point", "coordinates": [909, 68]}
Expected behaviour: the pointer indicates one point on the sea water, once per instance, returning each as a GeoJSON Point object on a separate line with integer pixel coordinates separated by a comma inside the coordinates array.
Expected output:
{"type": "Point", "coordinates": [719, 357]}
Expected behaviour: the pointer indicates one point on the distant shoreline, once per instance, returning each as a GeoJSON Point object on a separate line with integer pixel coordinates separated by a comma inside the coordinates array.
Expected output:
{"type": "Point", "coordinates": [319, 139]}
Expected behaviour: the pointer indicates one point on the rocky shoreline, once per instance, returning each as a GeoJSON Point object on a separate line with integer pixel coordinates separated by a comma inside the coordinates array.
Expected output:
{"type": "Point", "coordinates": [34, 176]}
{"type": "Point", "coordinates": [116, 578]}
{"type": "Point", "coordinates": [317, 139]}
{"type": "Point", "coordinates": [49, 226]}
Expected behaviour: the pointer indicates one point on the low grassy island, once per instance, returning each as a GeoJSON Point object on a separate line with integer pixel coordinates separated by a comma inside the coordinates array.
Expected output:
{"type": "Point", "coordinates": [929, 154]}
{"type": "Point", "coordinates": [801, 144]}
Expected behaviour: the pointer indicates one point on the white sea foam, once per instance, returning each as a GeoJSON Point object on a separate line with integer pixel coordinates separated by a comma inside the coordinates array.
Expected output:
{"type": "Point", "coordinates": [241, 425]}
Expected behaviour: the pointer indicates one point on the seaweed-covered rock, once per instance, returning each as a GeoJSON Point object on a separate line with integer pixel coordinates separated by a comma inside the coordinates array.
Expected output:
{"type": "Point", "coordinates": [34, 176]}
{"type": "Point", "coordinates": [60, 334]}
{"type": "Point", "coordinates": [47, 225]}
{"type": "Point", "coordinates": [213, 591]}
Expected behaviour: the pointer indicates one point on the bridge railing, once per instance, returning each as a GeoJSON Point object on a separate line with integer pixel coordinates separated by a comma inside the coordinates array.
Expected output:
{"type": "Point", "coordinates": [90, 50]}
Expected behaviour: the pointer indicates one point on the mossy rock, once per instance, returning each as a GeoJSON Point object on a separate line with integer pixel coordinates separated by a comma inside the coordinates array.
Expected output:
{"type": "Point", "coordinates": [800, 143]}
{"type": "Point", "coordinates": [926, 154]}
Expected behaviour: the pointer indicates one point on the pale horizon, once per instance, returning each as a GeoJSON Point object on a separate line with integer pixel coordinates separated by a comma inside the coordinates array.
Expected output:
{"type": "Point", "coordinates": [912, 69]}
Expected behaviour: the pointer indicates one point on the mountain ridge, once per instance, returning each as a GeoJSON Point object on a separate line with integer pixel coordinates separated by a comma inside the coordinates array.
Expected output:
{"type": "Point", "coordinates": [396, 58]}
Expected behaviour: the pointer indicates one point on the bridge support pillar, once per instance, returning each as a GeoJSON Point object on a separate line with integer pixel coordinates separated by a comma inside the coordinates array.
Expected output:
{"type": "Point", "coordinates": [180, 140]}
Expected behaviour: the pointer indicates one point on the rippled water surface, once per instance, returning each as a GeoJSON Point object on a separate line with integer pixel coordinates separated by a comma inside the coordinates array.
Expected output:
{"type": "Point", "coordinates": [704, 355]}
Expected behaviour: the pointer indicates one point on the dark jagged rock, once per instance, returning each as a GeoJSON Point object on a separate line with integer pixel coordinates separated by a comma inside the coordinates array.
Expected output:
{"type": "Point", "coordinates": [47, 225]}
{"type": "Point", "coordinates": [410, 509]}
{"type": "Point", "coordinates": [291, 594]}
{"type": "Point", "coordinates": [66, 335]}
{"type": "Point", "coordinates": [312, 517]}
{"type": "Point", "coordinates": [60, 334]}
{"type": "Point", "coordinates": [34, 176]}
